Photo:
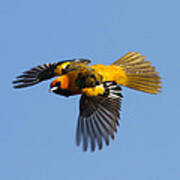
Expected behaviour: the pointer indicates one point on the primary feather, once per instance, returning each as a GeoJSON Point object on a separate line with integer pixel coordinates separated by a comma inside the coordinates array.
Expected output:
{"type": "Point", "coordinates": [98, 118]}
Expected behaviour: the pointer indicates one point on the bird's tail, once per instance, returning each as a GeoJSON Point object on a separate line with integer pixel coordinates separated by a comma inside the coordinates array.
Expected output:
{"type": "Point", "coordinates": [140, 74]}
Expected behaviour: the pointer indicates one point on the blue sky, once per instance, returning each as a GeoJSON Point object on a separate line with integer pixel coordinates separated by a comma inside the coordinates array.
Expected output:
{"type": "Point", "coordinates": [37, 129]}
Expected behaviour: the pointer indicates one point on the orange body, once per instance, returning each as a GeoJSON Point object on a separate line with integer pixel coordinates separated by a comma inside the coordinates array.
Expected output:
{"type": "Point", "coordinates": [111, 73]}
{"type": "Point", "coordinates": [98, 85]}
{"type": "Point", "coordinates": [131, 71]}
{"type": "Point", "coordinates": [75, 77]}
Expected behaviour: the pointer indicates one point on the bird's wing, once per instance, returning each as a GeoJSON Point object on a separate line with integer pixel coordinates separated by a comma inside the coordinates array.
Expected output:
{"type": "Point", "coordinates": [45, 72]}
{"type": "Point", "coordinates": [98, 118]}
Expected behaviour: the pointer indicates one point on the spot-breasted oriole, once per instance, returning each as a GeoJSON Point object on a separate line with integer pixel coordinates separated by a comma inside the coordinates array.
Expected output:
{"type": "Point", "coordinates": [100, 88]}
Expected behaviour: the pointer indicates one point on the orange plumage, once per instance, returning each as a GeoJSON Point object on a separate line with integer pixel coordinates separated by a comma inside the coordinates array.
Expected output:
{"type": "Point", "coordinates": [99, 85]}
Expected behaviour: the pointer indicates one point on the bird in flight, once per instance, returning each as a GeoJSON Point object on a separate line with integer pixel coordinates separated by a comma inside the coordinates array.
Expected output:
{"type": "Point", "coordinates": [100, 89]}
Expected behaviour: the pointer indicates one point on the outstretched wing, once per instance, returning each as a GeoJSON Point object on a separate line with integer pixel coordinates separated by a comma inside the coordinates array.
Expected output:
{"type": "Point", "coordinates": [98, 117]}
{"type": "Point", "coordinates": [45, 72]}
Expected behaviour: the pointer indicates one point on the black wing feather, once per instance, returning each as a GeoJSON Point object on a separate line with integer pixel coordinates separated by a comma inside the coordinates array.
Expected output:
{"type": "Point", "coordinates": [41, 73]}
{"type": "Point", "coordinates": [100, 116]}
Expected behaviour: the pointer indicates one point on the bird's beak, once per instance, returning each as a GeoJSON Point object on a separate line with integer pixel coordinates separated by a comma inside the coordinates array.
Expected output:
{"type": "Point", "coordinates": [53, 89]}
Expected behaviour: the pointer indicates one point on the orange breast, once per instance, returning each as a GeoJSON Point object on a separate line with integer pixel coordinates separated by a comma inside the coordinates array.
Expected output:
{"type": "Point", "coordinates": [72, 87]}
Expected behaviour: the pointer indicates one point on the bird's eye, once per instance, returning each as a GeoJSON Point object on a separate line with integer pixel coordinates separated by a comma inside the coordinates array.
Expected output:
{"type": "Point", "coordinates": [58, 84]}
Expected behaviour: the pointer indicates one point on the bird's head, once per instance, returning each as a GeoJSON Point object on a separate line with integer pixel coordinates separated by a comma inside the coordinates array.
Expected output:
{"type": "Point", "coordinates": [60, 86]}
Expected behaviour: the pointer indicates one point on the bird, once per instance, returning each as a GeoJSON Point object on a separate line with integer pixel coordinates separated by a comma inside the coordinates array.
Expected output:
{"type": "Point", "coordinates": [100, 88]}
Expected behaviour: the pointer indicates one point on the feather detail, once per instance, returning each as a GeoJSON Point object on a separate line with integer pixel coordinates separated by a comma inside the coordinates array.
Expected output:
{"type": "Point", "coordinates": [140, 74]}
{"type": "Point", "coordinates": [98, 118]}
